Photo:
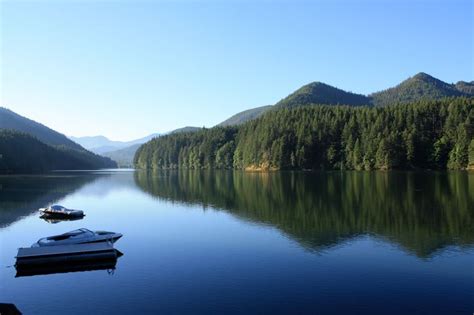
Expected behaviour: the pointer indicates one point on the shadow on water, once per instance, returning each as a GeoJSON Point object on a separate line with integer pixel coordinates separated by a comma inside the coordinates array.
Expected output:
{"type": "Point", "coordinates": [422, 212]}
{"type": "Point", "coordinates": [21, 196]}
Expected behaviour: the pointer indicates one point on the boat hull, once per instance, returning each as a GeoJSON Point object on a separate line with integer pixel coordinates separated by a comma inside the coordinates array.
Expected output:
{"type": "Point", "coordinates": [53, 214]}
{"type": "Point", "coordinates": [63, 254]}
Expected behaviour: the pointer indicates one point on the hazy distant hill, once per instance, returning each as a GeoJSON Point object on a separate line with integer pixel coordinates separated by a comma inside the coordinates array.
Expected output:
{"type": "Point", "coordinates": [124, 156]}
{"type": "Point", "coordinates": [27, 141]}
{"type": "Point", "coordinates": [321, 93]}
{"type": "Point", "coordinates": [245, 116]}
{"type": "Point", "coordinates": [101, 144]}
{"type": "Point", "coordinates": [420, 86]}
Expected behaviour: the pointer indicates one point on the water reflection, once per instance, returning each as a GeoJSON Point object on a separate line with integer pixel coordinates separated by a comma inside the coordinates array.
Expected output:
{"type": "Point", "coordinates": [54, 220]}
{"type": "Point", "coordinates": [422, 212]}
{"type": "Point", "coordinates": [21, 196]}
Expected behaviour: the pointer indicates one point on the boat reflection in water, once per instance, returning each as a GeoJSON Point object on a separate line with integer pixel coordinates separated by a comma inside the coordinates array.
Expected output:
{"type": "Point", "coordinates": [54, 220]}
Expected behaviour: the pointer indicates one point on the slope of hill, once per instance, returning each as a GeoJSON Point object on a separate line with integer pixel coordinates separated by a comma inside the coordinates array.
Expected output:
{"type": "Point", "coordinates": [59, 145]}
{"type": "Point", "coordinates": [321, 93]}
{"type": "Point", "coordinates": [245, 116]}
{"type": "Point", "coordinates": [13, 121]}
{"type": "Point", "coordinates": [42, 157]}
{"type": "Point", "coordinates": [420, 86]}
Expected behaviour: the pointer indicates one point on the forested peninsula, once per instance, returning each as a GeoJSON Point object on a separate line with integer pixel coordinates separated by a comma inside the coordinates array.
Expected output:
{"type": "Point", "coordinates": [423, 134]}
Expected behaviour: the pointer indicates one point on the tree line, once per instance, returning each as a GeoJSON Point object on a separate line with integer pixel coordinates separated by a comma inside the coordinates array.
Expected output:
{"type": "Point", "coordinates": [427, 134]}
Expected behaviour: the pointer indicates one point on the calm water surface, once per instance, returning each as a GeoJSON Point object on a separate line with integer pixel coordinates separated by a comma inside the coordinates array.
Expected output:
{"type": "Point", "coordinates": [232, 242]}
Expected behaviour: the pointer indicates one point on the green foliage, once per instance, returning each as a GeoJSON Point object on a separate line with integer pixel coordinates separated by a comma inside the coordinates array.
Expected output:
{"type": "Point", "coordinates": [425, 134]}
{"type": "Point", "coordinates": [22, 153]}
{"type": "Point", "coordinates": [471, 155]}
{"type": "Point", "coordinates": [204, 149]}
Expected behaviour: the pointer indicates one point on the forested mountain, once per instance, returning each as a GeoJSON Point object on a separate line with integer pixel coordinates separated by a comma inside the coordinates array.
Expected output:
{"type": "Point", "coordinates": [13, 121]}
{"type": "Point", "coordinates": [420, 86]}
{"type": "Point", "coordinates": [320, 93]}
{"type": "Point", "coordinates": [434, 134]}
{"type": "Point", "coordinates": [28, 146]}
{"type": "Point", "coordinates": [245, 116]}
{"type": "Point", "coordinates": [23, 153]}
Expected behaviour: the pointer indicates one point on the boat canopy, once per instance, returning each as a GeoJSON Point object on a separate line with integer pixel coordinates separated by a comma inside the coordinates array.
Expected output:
{"type": "Point", "coordinates": [57, 207]}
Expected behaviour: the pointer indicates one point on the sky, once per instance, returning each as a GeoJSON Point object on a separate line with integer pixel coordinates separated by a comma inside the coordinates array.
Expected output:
{"type": "Point", "coordinates": [126, 69]}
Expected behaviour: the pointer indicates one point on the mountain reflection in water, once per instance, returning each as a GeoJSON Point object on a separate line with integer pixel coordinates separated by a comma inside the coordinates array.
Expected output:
{"type": "Point", "coordinates": [422, 212]}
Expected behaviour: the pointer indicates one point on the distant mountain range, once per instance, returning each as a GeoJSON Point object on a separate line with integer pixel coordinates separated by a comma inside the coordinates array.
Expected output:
{"type": "Point", "coordinates": [27, 146]}
{"type": "Point", "coordinates": [121, 151]}
{"type": "Point", "coordinates": [101, 144]}
{"type": "Point", "coordinates": [420, 86]}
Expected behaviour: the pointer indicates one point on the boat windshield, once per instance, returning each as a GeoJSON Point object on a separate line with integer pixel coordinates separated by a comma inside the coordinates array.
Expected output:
{"type": "Point", "coordinates": [69, 234]}
{"type": "Point", "coordinates": [57, 207]}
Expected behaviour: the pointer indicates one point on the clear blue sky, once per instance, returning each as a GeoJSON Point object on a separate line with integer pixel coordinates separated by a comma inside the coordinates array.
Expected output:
{"type": "Point", "coordinates": [125, 69]}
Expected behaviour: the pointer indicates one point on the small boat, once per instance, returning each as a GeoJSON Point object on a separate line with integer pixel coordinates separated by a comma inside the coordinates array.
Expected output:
{"type": "Point", "coordinates": [79, 236]}
{"type": "Point", "coordinates": [60, 211]}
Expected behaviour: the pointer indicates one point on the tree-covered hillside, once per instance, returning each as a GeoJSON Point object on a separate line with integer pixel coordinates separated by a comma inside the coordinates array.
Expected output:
{"type": "Point", "coordinates": [22, 153]}
{"type": "Point", "coordinates": [320, 93]}
{"type": "Point", "coordinates": [13, 121]}
{"type": "Point", "coordinates": [420, 86]}
{"type": "Point", "coordinates": [425, 134]}
{"type": "Point", "coordinates": [55, 145]}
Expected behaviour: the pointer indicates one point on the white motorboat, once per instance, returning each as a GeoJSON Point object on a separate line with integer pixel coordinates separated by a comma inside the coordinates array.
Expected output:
{"type": "Point", "coordinates": [79, 236]}
{"type": "Point", "coordinates": [62, 212]}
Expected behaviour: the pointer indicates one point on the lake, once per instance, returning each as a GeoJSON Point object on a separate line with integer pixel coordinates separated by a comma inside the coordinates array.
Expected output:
{"type": "Point", "coordinates": [250, 243]}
